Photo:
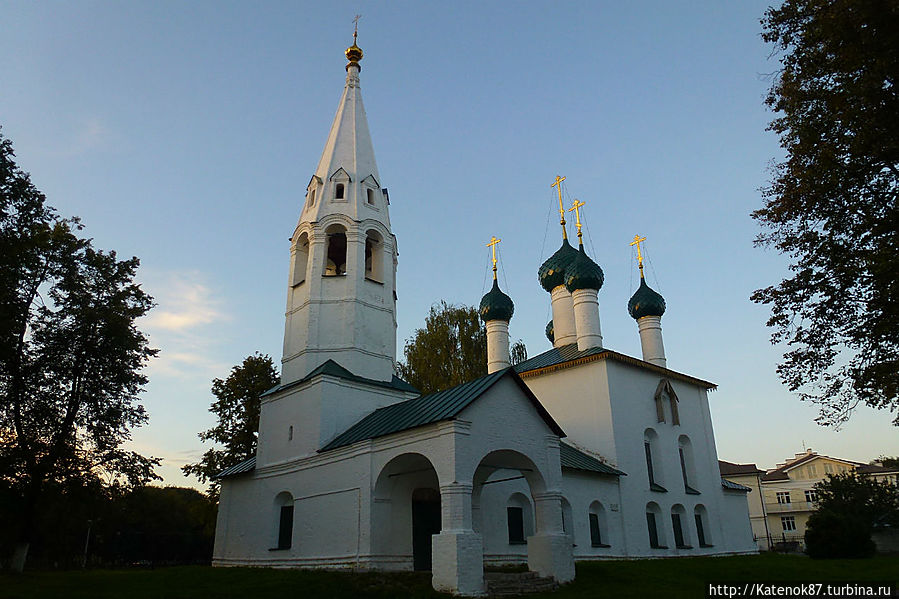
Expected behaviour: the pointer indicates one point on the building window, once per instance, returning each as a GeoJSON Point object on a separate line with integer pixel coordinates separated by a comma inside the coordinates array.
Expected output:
{"type": "Point", "coordinates": [687, 468]}
{"type": "Point", "coordinates": [515, 519]}
{"type": "Point", "coordinates": [783, 497]}
{"type": "Point", "coordinates": [371, 197]}
{"type": "Point", "coordinates": [700, 516]}
{"type": "Point", "coordinates": [649, 438]}
{"type": "Point", "coordinates": [290, 433]}
{"type": "Point", "coordinates": [335, 265]}
{"type": "Point", "coordinates": [285, 527]}
{"type": "Point", "coordinates": [828, 468]}
{"type": "Point", "coordinates": [811, 496]}
{"type": "Point", "coordinates": [678, 531]}
{"type": "Point", "coordinates": [301, 259]}
{"type": "Point", "coordinates": [788, 523]}
{"type": "Point", "coordinates": [653, 530]}
{"type": "Point", "coordinates": [374, 257]}
{"type": "Point", "coordinates": [338, 191]}
{"type": "Point", "coordinates": [595, 533]}
{"type": "Point", "coordinates": [812, 470]}
{"type": "Point", "coordinates": [311, 198]}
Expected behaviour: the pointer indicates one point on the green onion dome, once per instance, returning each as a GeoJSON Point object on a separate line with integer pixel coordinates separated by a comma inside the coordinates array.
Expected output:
{"type": "Point", "coordinates": [583, 273]}
{"type": "Point", "coordinates": [645, 302]}
{"type": "Point", "coordinates": [552, 272]}
{"type": "Point", "coordinates": [496, 305]}
{"type": "Point", "coordinates": [550, 333]}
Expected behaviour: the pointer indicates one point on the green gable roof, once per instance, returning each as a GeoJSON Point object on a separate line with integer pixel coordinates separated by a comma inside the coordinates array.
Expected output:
{"type": "Point", "coordinates": [428, 409]}
{"type": "Point", "coordinates": [332, 368]}
{"type": "Point", "coordinates": [575, 459]}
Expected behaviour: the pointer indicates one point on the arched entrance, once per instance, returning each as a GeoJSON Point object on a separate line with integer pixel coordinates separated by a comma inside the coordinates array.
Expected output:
{"type": "Point", "coordinates": [405, 513]}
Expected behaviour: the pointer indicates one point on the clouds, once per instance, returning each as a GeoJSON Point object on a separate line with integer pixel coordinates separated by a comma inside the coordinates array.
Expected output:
{"type": "Point", "coordinates": [187, 325]}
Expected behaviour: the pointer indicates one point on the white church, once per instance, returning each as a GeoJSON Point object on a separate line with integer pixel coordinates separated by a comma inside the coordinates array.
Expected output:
{"type": "Point", "coordinates": [579, 453]}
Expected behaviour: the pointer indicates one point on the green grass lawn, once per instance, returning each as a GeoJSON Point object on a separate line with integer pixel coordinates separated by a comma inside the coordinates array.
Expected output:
{"type": "Point", "coordinates": [671, 578]}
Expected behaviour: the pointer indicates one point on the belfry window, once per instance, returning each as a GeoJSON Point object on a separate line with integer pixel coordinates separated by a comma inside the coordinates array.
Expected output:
{"type": "Point", "coordinates": [335, 265]}
{"type": "Point", "coordinates": [338, 191]}
{"type": "Point", "coordinates": [301, 259]}
{"type": "Point", "coordinates": [373, 257]}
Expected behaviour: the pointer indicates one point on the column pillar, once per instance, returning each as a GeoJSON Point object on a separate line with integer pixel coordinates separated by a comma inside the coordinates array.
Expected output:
{"type": "Point", "coordinates": [497, 345]}
{"type": "Point", "coordinates": [549, 551]}
{"type": "Point", "coordinates": [457, 553]}
{"type": "Point", "coordinates": [650, 328]}
{"type": "Point", "coordinates": [586, 317]}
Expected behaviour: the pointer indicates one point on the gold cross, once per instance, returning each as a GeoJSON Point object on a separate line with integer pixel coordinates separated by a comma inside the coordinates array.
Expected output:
{"type": "Point", "coordinates": [492, 246]}
{"type": "Point", "coordinates": [637, 241]}
{"type": "Point", "coordinates": [558, 184]}
{"type": "Point", "coordinates": [577, 214]}
{"type": "Point", "coordinates": [356, 27]}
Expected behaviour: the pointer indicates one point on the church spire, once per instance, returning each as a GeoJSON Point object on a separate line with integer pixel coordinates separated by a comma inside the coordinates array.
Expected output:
{"type": "Point", "coordinates": [341, 302]}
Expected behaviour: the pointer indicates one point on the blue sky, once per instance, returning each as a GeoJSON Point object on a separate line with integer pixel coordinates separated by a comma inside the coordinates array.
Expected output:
{"type": "Point", "coordinates": [185, 134]}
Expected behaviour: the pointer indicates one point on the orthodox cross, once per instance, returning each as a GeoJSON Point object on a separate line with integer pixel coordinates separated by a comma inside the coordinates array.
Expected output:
{"type": "Point", "coordinates": [577, 215]}
{"type": "Point", "coordinates": [356, 27]}
{"type": "Point", "coordinates": [492, 246]}
{"type": "Point", "coordinates": [637, 241]}
{"type": "Point", "coordinates": [558, 184]}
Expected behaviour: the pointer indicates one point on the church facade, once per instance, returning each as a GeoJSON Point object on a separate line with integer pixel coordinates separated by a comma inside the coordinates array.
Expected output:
{"type": "Point", "coordinates": [577, 453]}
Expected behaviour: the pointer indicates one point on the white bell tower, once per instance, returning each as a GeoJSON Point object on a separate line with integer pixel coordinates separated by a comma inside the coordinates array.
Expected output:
{"type": "Point", "coordinates": [341, 295]}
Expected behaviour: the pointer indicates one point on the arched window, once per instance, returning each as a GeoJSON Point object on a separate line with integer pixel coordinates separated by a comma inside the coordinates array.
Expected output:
{"type": "Point", "coordinates": [373, 257]}
{"type": "Point", "coordinates": [284, 517]}
{"type": "Point", "coordinates": [599, 532]}
{"type": "Point", "coordinates": [300, 259]}
{"type": "Point", "coordinates": [371, 197]}
{"type": "Point", "coordinates": [653, 469]}
{"type": "Point", "coordinates": [567, 520]}
{"type": "Point", "coordinates": [519, 519]}
{"type": "Point", "coordinates": [679, 525]}
{"type": "Point", "coordinates": [312, 197]}
{"type": "Point", "coordinates": [665, 394]}
{"type": "Point", "coordinates": [654, 526]}
{"type": "Point", "coordinates": [338, 191]}
{"type": "Point", "coordinates": [701, 518]}
{"type": "Point", "coordinates": [687, 464]}
{"type": "Point", "coordinates": [335, 265]}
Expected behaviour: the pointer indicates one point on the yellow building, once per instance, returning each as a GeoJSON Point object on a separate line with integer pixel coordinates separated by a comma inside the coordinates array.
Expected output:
{"type": "Point", "coordinates": [782, 499]}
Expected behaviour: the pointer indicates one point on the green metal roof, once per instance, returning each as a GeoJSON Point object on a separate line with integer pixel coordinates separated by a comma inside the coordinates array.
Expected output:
{"type": "Point", "coordinates": [241, 468]}
{"type": "Point", "coordinates": [583, 273]}
{"type": "Point", "coordinates": [645, 302]}
{"type": "Point", "coordinates": [332, 368]}
{"type": "Point", "coordinates": [732, 486]}
{"type": "Point", "coordinates": [496, 305]}
{"type": "Point", "coordinates": [428, 409]}
{"type": "Point", "coordinates": [556, 355]}
{"type": "Point", "coordinates": [575, 459]}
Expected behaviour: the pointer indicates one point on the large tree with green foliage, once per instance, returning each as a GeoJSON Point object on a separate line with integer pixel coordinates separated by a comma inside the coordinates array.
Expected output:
{"type": "Point", "coordinates": [236, 408]}
{"type": "Point", "coordinates": [849, 505]}
{"type": "Point", "coordinates": [450, 350]}
{"type": "Point", "coordinates": [70, 354]}
{"type": "Point", "coordinates": [832, 203]}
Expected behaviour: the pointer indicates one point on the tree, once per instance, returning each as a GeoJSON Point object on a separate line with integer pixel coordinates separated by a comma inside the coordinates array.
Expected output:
{"type": "Point", "coordinates": [450, 350]}
{"type": "Point", "coordinates": [70, 354]}
{"type": "Point", "coordinates": [237, 408]}
{"type": "Point", "coordinates": [849, 506]}
{"type": "Point", "coordinates": [832, 203]}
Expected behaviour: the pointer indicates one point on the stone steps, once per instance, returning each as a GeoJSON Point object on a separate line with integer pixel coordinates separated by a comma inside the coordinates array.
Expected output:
{"type": "Point", "coordinates": [514, 584]}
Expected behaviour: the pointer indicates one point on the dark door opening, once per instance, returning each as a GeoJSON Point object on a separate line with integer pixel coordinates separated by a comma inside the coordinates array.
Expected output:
{"type": "Point", "coordinates": [425, 523]}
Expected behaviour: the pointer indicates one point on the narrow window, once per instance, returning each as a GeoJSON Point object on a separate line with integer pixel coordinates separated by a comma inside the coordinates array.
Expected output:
{"type": "Point", "coordinates": [371, 197]}
{"type": "Point", "coordinates": [515, 517]}
{"type": "Point", "coordinates": [285, 527]}
{"type": "Point", "coordinates": [653, 531]}
{"type": "Point", "coordinates": [678, 531]}
{"type": "Point", "coordinates": [700, 530]}
{"type": "Point", "coordinates": [290, 433]}
{"type": "Point", "coordinates": [812, 470]}
{"type": "Point", "coordinates": [683, 468]}
{"type": "Point", "coordinates": [595, 533]}
{"type": "Point", "coordinates": [336, 263]}
{"type": "Point", "coordinates": [338, 191]}
{"type": "Point", "coordinates": [828, 468]}
{"type": "Point", "coordinates": [311, 198]}
{"type": "Point", "coordinates": [647, 449]}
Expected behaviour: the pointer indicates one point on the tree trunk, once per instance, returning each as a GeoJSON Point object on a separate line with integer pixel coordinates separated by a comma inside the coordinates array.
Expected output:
{"type": "Point", "coordinates": [19, 553]}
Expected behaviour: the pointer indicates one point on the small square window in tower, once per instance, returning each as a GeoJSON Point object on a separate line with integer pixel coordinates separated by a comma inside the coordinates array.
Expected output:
{"type": "Point", "coordinates": [335, 265]}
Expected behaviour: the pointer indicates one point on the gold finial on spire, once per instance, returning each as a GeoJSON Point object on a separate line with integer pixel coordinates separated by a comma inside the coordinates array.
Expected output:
{"type": "Point", "coordinates": [492, 246]}
{"type": "Point", "coordinates": [558, 184]}
{"type": "Point", "coordinates": [637, 241]}
{"type": "Point", "coordinates": [354, 52]}
{"type": "Point", "coordinates": [577, 215]}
